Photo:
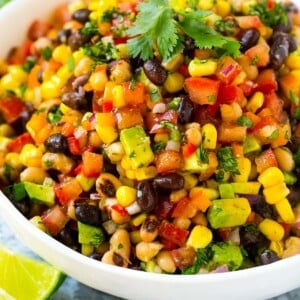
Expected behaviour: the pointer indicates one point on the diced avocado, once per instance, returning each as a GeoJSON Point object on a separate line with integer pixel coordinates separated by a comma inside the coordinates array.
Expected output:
{"type": "Point", "coordinates": [15, 192]}
{"type": "Point", "coordinates": [226, 191]}
{"type": "Point", "coordinates": [41, 193]}
{"type": "Point", "coordinates": [251, 145]}
{"type": "Point", "coordinates": [90, 235]}
{"type": "Point", "coordinates": [192, 163]}
{"type": "Point", "coordinates": [251, 187]}
{"type": "Point", "coordinates": [227, 254]}
{"type": "Point", "coordinates": [228, 212]}
{"type": "Point", "coordinates": [137, 147]}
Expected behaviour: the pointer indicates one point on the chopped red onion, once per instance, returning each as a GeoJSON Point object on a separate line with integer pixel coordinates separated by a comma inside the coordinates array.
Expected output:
{"type": "Point", "coordinates": [227, 70]}
{"type": "Point", "coordinates": [221, 269]}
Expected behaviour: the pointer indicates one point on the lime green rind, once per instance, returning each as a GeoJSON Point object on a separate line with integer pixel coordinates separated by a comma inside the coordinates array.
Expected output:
{"type": "Point", "coordinates": [25, 278]}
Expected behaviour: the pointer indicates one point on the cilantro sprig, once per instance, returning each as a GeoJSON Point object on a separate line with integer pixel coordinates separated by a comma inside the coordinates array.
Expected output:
{"type": "Point", "coordinates": [157, 26]}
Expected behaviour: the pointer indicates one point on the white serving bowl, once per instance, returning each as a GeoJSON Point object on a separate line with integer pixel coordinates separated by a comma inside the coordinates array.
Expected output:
{"type": "Point", "coordinates": [256, 283]}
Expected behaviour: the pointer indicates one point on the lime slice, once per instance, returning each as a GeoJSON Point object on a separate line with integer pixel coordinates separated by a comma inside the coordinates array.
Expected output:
{"type": "Point", "coordinates": [25, 278]}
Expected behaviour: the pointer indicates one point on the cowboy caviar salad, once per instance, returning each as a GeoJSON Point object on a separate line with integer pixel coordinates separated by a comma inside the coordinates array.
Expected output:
{"type": "Point", "coordinates": [158, 135]}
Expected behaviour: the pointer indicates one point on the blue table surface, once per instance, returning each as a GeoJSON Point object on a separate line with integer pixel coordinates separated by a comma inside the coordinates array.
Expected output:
{"type": "Point", "coordinates": [72, 289]}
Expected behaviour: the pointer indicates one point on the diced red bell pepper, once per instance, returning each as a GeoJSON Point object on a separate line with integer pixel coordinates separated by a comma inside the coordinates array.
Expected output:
{"type": "Point", "coordinates": [184, 209]}
{"type": "Point", "coordinates": [11, 108]}
{"type": "Point", "coordinates": [173, 233]}
{"type": "Point", "coordinates": [202, 90]}
{"type": "Point", "coordinates": [18, 143]}
{"type": "Point", "coordinates": [188, 149]}
{"type": "Point", "coordinates": [134, 94]}
{"type": "Point", "coordinates": [266, 81]}
{"type": "Point", "coordinates": [55, 219]}
{"type": "Point", "coordinates": [92, 164]}
{"type": "Point", "coordinates": [154, 122]}
{"type": "Point", "coordinates": [275, 104]}
{"type": "Point", "coordinates": [74, 145]}
{"type": "Point", "coordinates": [107, 106]}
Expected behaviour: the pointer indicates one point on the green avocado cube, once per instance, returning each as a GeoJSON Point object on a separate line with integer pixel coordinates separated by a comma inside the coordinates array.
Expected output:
{"type": "Point", "coordinates": [90, 235]}
{"type": "Point", "coordinates": [40, 193]}
{"type": "Point", "coordinates": [226, 190]}
{"type": "Point", "coordinates": [137, 146]}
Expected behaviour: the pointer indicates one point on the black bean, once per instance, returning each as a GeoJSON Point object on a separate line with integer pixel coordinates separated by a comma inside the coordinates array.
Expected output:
{"type": "Point", "coordinates": [68, 238]}
{"type": "Point", "coordinates": [63, 36]}
{"type": "Point", "coordinates": [169, 182]}
{"type": "Point", "coordinates": [81, 15]}
{"type": "Point", "coordinates": [279, 50]}
{"type": "Point", "coordinates": [284, 27]}
{"type": "Point", "coordinates": [23, 206]}
{"type": "Point", "coordinates": [268, 256]}
{"type": "Point", "coordinates": [75, 100]}
{"type": "Point", "coordinates": [155, 72]}
{"type": "Point", "coordinates": [88, 214]}
{"type": "Point", "coordinates": [57, 143]}
{"type": "Point", "coordinates": [264, 209]}
{"type": "Point", "coordinates": [146, 196]}
{"type": "Point", "coordinates": [189, 47]}
{"type": "Point", "coordinates": [249, 39]}
{"type": "Point", "coordinates": [185, 110]}
{"type": "Point", "coordinates": [76, 40]}
{"type": "Point", "coordinates": [96, 256]}
{"type": "Point", "coordinates": [118, 260]}
{"type": "Point", "coordinates": [294, 195]}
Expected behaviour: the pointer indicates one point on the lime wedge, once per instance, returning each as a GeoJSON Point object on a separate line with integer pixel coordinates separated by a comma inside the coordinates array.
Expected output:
{"type": "Point", "coordinates": [25, 278]}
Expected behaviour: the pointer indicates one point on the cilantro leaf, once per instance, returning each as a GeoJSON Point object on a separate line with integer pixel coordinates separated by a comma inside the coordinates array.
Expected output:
{"type": "Point", "coordinates": [244, 121]}
{"type": "Point", "coordinates": [227, 161]}
{"type": "Point", "coordinates": [203, 257]}
{"type": "Point", "coordinates": [270, 16]}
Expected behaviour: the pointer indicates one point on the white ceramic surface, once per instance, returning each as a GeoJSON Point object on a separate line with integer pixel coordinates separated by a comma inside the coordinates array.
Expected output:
{"type": "Point", "coordinates": [256, 283]}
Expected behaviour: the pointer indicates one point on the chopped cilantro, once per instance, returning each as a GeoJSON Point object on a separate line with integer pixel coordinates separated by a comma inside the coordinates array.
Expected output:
{"type": "Point", "coordinates": [202, 260]}
{"type": "Point", "coordinates": [296, 157]}
{"type": "Point", "coordinates": [254, 60]}
{"type": "Point", "coordinates": [226, 161]}
{"type": "Point", "coordinates": [274, 135]}
{"type": "Point", "coordinates": [244, 121]}
{"type": "Point", "coordinates": [7, 171]}
{"type": "Point", "coordinates": [202, 154]}
{"type": "Point", "coordinates": [168, 125]}
{"type": "Point", "coordinates": [270, 16]}
{"type": "Point", "coordinates": [155, 25]}
{"type": "Point", "coordinates": [29, 64]}
{"type": "Point", "coordinates": [46, 53]}
{"type": "Point", "coordinates": [90, 29]}
{"type": "Point", "coordinates": [154, 95]}
{"type": "Point", "coordinates": [294, 98]}
{"type": "Point", "coordinates": [23, 88]}
{"type": "Point", "coordinates": [133, 83]}
{"type": "Point", "coordinates": [54, 116]}
{"type": "Point", "coordinates": [227, 26]}
{"type": "Point", "coordinates": [174, 104]}
{"type": "Point", "coordinates": [108, 15]}
{"type": "Point", "coordinates": [296, 113]}
{"type": "Point", "coordinates": [159, 146]}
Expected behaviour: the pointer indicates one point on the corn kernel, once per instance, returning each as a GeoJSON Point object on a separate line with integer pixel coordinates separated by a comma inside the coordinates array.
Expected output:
{"type": "Point", "coordinates": [209, 134]}
{"type": "Point", "coordinates": [107, 134]}
{"type": "Point", "coordinates": [271, 176]}
{"type": "Point", "coordinates": [255, 102]}
{"type": "Point", "coordinates": [135, 237]}
{"type": "Point", "coordinates": [37, 222]}
{"type": "Point", "coordinates": [145, 173]}
{"type": "Point", "coordinates": [277, 247]}
{"type": "Point", "coordinates": [271, 229]}
{"type": "Point", "coordinates": [87, 249]}
{"type": "Point", "coordinates": [173, 63]}
{"type": "Point", "coordinates": [200, 237]}
{"type": "Point", "coordinates": [285, 211]}
{"type": "Point", "coordinates": [190, 180]}
{"type": "Point", "coordinates": [118, 96]}
{"type": "Point", "coordinates": [30, 156]}
{"type": "Point", "coordinates": [6, 130]}
{"type": "Point", "coordinates": [49, 90]}
{"type": "Point", "coordinates": [125, 195]}
{"type": "Point", "coordinates": [13, 159]}
{"type": "Point", "coordinates": [4, 141]}
{"type": "Point", "coordinates": [244, 167]}
{"type": "Point", "coordinates": [130, 174]}
{"type": "Point", "coordinates": [202, 67]}
{"type": "Point", "coordinates": [178, 4]}
{"type": "Point", "coordinates": [174, 82]}
{"type": "Point", "coordinates": [293, 60]}
{"type": "Point", "coordinates": [98, 80]}
{"type": "Point", "coordinates": [125, 163]}
{"type": "Point", "coordinates": [7, 82]}
{"type": "Point", "coordinates": [223, 8]}
{"type": "Point", "coordinates": [211, 193]}
{"type": "Point", "coordinates": [62, 53]}
{"type": "Point", "coordinates": [275, 193]}
{"type": "Point", "coordinates": [76, 5]}
{"type": "Point", "coordinates": [161, 137]}
{"type": "Point", "coordinates": [205, 4]}
{"type": "Point", "coordinates": [122, 50]}
{"type": "Point", "coordinates": [139, 219]}
{"type": "Point", "coordinates": [86, 183]}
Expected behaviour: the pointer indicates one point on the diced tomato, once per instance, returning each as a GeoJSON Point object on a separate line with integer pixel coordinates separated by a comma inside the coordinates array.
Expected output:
{"type": "Point", "coordinates": [156, 123]}
{"type": "Point", "coordinates": [227, 69]}
{"type": "Point", "coordinates": [74, 145]}
{"type": "Point", "coordinates": [275, 104]}
{"type": "Point", "coordinates": [55, 219]}
{"type": "Point", "coordinates": [168, 161]}
{"type": "Point", "coordinates": [229, 94]}
{"type": "Point", "coordinates": [247, 87]}
{"type": "Point", "coordinates": [17, 143]}
{"type": "Point", "coordinates": [259, 55]}
{"type": "Point", "coordinates": [67, 191]}
{"type": "Point", "coordinates": [107, 106]}
{"type": "Point", "coordinates": [202, 90]}
{"type": "Point", "coordinates": [129, 117]}
{"type": "Point", "coordinates": [38, 29]}
{"type": "Point", "coordinates": [168, 245]}
{"type": "Point", "coordinates": [11, 108]}
{"type": "Point", "coordinates": [265, 160]}
{"type": "Point", "coordinates": [18, 55]}
{"type": "Point", "coordinates": [246, 22]}
{"type": "Point", "coordinates": [92, 164]}
{"type": "Point", "coordinates": [188, 149]}
{"type": "Point", "coordinates": [266, 81]}
{"type": "Point", "coordinates": [120, 209]}
{"type": "Point", "coordinates": [173, 233]}
{"type": "Point", "coordinates": [184, 209]}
